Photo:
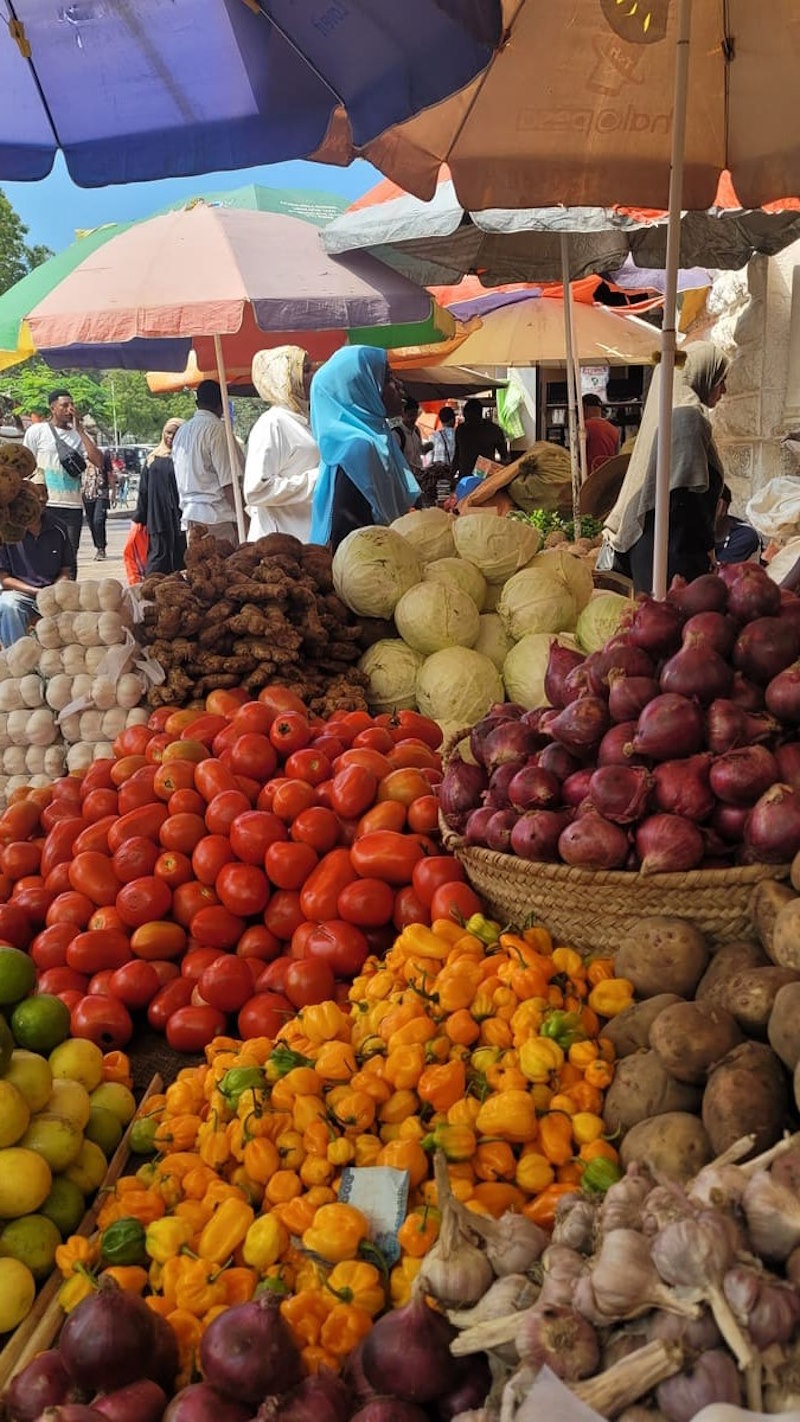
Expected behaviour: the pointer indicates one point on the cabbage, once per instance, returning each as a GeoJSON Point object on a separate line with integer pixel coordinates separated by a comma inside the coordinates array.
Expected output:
{"type": "Point", "coordinates": [392, 669]}
{"type": "Point", "coordinates": [458, 685]}
{"type": "Point", "coordinates": [460, 574]}
{"type": "Point", "coordinates": [493, 640]}
{"type": "Point", "coordinates": [498, 546]}
{"type": "Point", "coordinates": [494, 592]}
{"type": "Point", "coordinates": [535, 601]}
{"type": "Point", "coordinates": [576, 573]}
{"type": "Point", "coordinates": [372, 568]}
{"type": "Point", "coordinates": [600, 620]}
{"type": "Point", "coordinates": [431, 616]}
{"type": "Point", "coordinates": [429, 531]}
{"type": "Point", "coordinates": [525, 666]}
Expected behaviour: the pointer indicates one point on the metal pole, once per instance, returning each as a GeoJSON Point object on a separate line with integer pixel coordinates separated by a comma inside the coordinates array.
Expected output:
{"type": "Point", "coordinates": [668, 333]}
{"type": "Point", "coordinates": [569, 351]}
{"type": "Point", "coordinates": [233, 456]}
{"type": "Point", "coordinates": [114, 411]}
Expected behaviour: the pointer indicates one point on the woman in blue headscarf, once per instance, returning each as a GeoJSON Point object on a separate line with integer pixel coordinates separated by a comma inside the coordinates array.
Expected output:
{"type": "Point", "coordinates": [363, 477]}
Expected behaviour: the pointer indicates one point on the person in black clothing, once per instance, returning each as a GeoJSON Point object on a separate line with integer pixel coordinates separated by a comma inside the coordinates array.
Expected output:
{"type": "Point", "coordinates": [98, 487]}
{"type": "Point", "coordinates": [476, 438]}
{"type": "Point", "coordinates": [158, 508]}
{"type": "Point", "coordinates": [736, 539]}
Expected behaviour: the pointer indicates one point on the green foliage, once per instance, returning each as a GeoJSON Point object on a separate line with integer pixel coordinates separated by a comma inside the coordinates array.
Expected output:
{"type": "Point", "coordinates": [547, 522]}
{"type": "Point", "coordinates": [27, 386]}
{"type": "Point", "coordinates": [16, 257]}
{"type": "Point", "coordinates": [141, 414]}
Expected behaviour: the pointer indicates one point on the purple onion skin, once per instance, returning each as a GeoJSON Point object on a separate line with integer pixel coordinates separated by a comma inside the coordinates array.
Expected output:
{"type": "Point", "coordinates": [535, 836]}
{"type": "Point", "coordinates": [164, 1361]}
{"type": "Point", "coordinates": [728, 727]}
{"type": "Point", "coordinates": [614, 749]}
{"type": "Point", "coordinates": [201, 1403]}
{"type": "Point", "coordinates": [107, 1341]}
{"type": "Point", "coordinates": [751, 593]}
{"type": "Point", "coordinates": [460, 791]}
{"type": "Point", "coordinates": [668, 844]}
{"type": "Point", "coordinates": [470, 1391]}
{"type": "Point", "coordinates": [45, 1382]}
{"type": "Point", "coordinates": [580, 727]}
{"type": "Point", "coordinates": [142, 1401]}
{"type": "Point", "coordinates": [558, 761]}
{"type": "Point", "coordinates": [407, 1356]}
{"type": "Point", "coordinates": [746, 694]}
{"type": "Point", "coordinates": [533, 788]}
{"type": "Point", "coordinates": [772, 829]}
{"type": "Point", "coordinates": [509, 742]}
{"type": "Point", "coordinates": [742, 776]}
{"type": "Point", "coordinates": [561, 661]}
{"type": "Point", "coordinates": [355, 1377]}
{"type": "Point", "coordinates": [576, 787]}
{"type": "Point", "coordinates": [696, 671]}
{"type": "Point", "coordinates": [783, 695]}
{"type": "Point", "coordinates": [670, 728]}
{"type": "Point", "coordinates": [477, 825]}
{"type": "Point", "coordinates": [322, 1397]}
{"type": "Point", "coordinates": [788, 759]}
{"type": "Point", "coordinates": [389, 1409]}
{"type": "Point", "coordinates": [248, 1353]}
{"type": "Point", "coordinates": [620, 657]}
{"type": "Point", "coordinates": [713, 629]}
{"type": "Point", "coordinates": [499, 785]}
{"type": "Point", "coordinates": [655, 628]}
{"type": "Point", "coordinates": [499, 829]}
{"type": "Point", "coordinates": [764, 648]}
{"type": "Point", "coordinates": [682, 788]}
{"type": "Point", "coordinates": [729, 822]}
{"type": "Point", "coordinates": [705, 594]}
{"type": "Point", "coordinates": [592, 842]}
{"type": "Point", "coordinates": [620, 792]}
{"type": "Point", "coordinates": [482, 729]}
{"type": "Point", "coordinates": [70, 1412]}
{"type": "Point", "coordinates": [628, 695]}
{"type": "Point", "coordinates": [714, 1377]}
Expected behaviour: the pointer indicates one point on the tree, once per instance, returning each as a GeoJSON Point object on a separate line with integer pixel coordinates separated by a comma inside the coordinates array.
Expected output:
{"type": "Point", "coordinates": [26, 388]}
{"type": "Point", "coordinates": [140, 414]}
{"type": "Point", "coordinates": [16, 257]}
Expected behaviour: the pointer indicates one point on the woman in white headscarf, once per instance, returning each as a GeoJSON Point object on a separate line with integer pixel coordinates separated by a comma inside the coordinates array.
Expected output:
{"type": "Point", "coordinates": [696, 476]}
{"type": "Point", "coordinates": [282, 456]}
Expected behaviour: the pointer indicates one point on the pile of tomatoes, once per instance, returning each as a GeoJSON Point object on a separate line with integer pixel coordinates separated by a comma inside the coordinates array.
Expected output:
{"type": "Point", "coordinates": [238, 862]}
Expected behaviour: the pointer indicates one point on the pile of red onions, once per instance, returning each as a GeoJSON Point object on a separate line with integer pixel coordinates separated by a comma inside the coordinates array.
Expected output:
{"type": "Point", "coordinates": [677, 746]}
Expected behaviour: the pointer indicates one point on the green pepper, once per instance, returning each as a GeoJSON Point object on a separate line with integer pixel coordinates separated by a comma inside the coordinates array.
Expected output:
{"type": "Point", "coordinates": [282, 1060]}
{"type": "Point", "coordinates": [599, 1175]}
{"type": "Point", "coordinates": [124, 1243]}
{"type": "Point", "coordinates": [483, 928]}
{"type": "Point", "coordinates": [143, 1135]}
{"type": "Point", "coordinates": [240, 1079]}
{"type": "Point", "coordinates": [564, 1028]}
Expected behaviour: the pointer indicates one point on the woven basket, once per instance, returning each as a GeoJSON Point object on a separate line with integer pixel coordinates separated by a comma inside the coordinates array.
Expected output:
{"type": "Point", "coordinates": [596, 909]}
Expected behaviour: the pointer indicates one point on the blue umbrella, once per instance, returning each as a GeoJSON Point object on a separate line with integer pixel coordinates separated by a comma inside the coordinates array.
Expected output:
{"type": "Point", "coordinates": [137, 89]}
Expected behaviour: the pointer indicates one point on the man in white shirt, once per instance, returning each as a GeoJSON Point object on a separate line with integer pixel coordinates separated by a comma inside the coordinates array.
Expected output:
{"type": "Point", "coordinates": [53, 442]}
{"type": "Point", "coordinates": [202, 467]}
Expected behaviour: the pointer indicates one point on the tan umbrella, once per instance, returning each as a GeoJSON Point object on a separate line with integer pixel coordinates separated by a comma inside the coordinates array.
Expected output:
{"type": "Point", "coordinates": [533, 333]}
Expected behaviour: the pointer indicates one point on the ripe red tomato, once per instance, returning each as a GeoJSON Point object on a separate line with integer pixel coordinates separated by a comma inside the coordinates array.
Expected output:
{"type": "Point", "coordinates": [223, 810]}
{"type": "Point", "coordinates": [197, 960]}
{"type": "Point", "coordinates": [353, 791]}
{"type": "Point", "coordinates": [423, 815]}
{"type": "Point", "coordinates": [317, 827]}
{"type": "Point", "coordinates": [57, 980]}
{"type": "Point", "coordinates": [413, 755]}
{"type": "Point", "coordinates": [134, 740]}
{"type": "Point", "coordinates": [283, 914]}
{"type": "Point", "coordinates": [253, 719]}
{"type": "Point", "coordinates": [169, 998]}
{"type": "Point", "coordinates": [319, 896]}
{"type": "Point", "coordinates": [264, 1015]}
{"type": "Point", "coordinates": [99, 803]}
{"type": "Point", "coordinates": [279, 698]}
{"type": "Point", "coordinates": [297, 947]}
{"type": "Point", "coordinates": [15, 926]}
{"type": "Point", "coordinates": [97, 777]}
{"type": "Point", "coordinates": [454, 900]}
{"type": "Point", "coordinates": [137, 790]}
{"type": "Point", "coordinates": [57, 848]}
{"type": "Point", "coordinates": [405, 785]}
{"type": "Point", "coordinates": [49, 948]}
{"type": "Point", "coordinates": [190, 1029]}
{"type": "Point", "coordinates": [97, 952]}
{"type": "Point", "coordinates": [103, 1021]}
{"type": "Point", "coordinates": [341, 945]}
{"type": "Point", "coordinates": [310, 765]}
{"type": "Point", "coordinates": [174, 868]}
{"type": "Point", "coordinates": [68, 907]}
{"type": "Point", "coordinates": [368, 903]}
{"type": "Point", "coordinates": [154, 755]}
{"type": "Point", "coordinates": [34, 900]}
{"type": "Point", "coordinates": [289, 865]}
{"type": "Point", "coordinates": [135, 858]}
{"type": "Point", "coordinates": [164, 971]}
{"type": "Point", "coordinates": [374, 738]}
{"type": "Point", "coordinates": [388, 815]}
{"type": "Point", "coordinates": [186, 802]}
{"type": "Point", "coordinates": [328, 745]}
{"type": "Point", "coordinates": [227, 983]}
{"type": "Point", "coordinates": [99, 984]}
{"type": "Point", "coordinates": [386, 855]}
{"type": "Point", "coordinates": [429, 874]}
{"type": "Point", "coordinates": [254, 755]}
{"type": "Point", "coordinates": [94, 838]}
{"type": "Point", "coordinates": [106, 917]}
{"type": "Point", "coordinates": [216, 927]}
{"type": "Point", "coordinates": [409, 908]}
{"type": "Point", "coordinates": [258, 945]}
{"type": "Point", "coordinates": [57, 881]}
{"type": "Point", "coordinates": [212, 778]}
{"type": "Point", "coordinates": [172, 776]}
{"type": "Point", "coordinates": [373, 761]}
{"type": "Point", "coordinates": [188, 899]}
{"type": "Point", "coordinates": [289, 732]}
{"type": "Point", "coordinates": [210, 855]}
{"type": "Point", "coordinates": [204, 728]}
{"type": "Point", "coordinates": [273, 977]}
{"type": "Point", "coordinates": [243, 889]}
{"type": "Point", "coordinates": [182, 832]}
{"type": "Point", "coordinates": [252, 833]}
{"type": "Point", "coordinates": [292, 797]}
{"type": "Point", "coordinates": [122, 770]}
{"type": "Point", "coordinates": [143, 900]}
{"type": "Point", "coordinates": [135, 983]}
{"type": "Point", "coordinates": [308, 982]}
{"type": "Point", "coordinates": [410, 725]}
{"type": "Point", "coordinates": [144, 822]}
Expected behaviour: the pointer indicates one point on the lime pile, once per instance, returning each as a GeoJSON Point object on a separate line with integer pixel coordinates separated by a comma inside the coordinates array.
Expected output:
{"type": "Point", "coordinates": [59, 1123]}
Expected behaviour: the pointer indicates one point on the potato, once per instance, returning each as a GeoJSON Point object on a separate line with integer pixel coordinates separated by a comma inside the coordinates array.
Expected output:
{"type": "Point", "coordinates": [689, 1037]}
{"type": "Point", "coordinates": [783, 1028]}
{"type": "Point", "coordinates": [733, 958]}
{"type": "Point", "coordinates": [785, 949]}
{"type": "Point", "coordinates": [675, 1144]}
{"type": "Point", "coordinates": [642, 1088]}
{"type": "Point", "coordinates": [795, 873]}
{"type": "Point", "coordinates": [629, 1031]}
{"type": "Point", "coordinates": [663, 955]}
{"type": "Point", "coordinates": [746, 1094]}
{"type": "Point", "coordinates": [766, 902]}
{"type": "Point", "coordinates": [749, 996]}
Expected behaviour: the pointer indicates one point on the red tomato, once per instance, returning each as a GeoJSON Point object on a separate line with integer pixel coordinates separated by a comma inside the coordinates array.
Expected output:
{"type": "Point", "coordinates": [34, 900]}
{"type": "Point", "coordinates": [173, 868]}
{"type": "Point", "coordinates": [253, 755]}
{"type": "Point", "coordinates": [289, 732]}
{"type": "Point", "coordinates": [408, 755]}
{"type": "Point", "coordinates": [190, 1029]}
{"type": "Point", "coordinates": [309, 982]}
{"type": "Point", "coordinates": [309, 765]}
{"type": "Point", "coordinates": [225, 740]}
{"type": "Point", "coordinates": [106, 917]}
{"type": "Point", "coordinates": [250, 788]}
{"type": "Point", "coordinates": [291, 798]}
{"type": "Point", "coordinates": [369, 903]}
{"type": "Point", "coordinates": [95, 837]}
{"type": "Point", "coordinates": [258, 945]}
{"type": "Point", "coordinates": [409, 908]}
{"type": "Point", "coordinates": [283, 914]}
{"type": "Point", "coordinates": [137, 791]}
{"type": "Point", "coordinates": [264, 1015]}
{"type": "Point", "coordinates": [386, 855]}
{"type": "Point", "coordinates": [317, 827]}
{"type": "Point", "coordinates": [52, 815]}
{"type": "Point", "coordinates": [182, 832]}
{"type": "Point", "coordinates": [389, 815]}
{"type": "Point", "coordinates": [216, 927]}
{"type": "Point", "coordinates": [454, 900]}
{"type": "Point", "coordinates": [297, 947]}
{"type": "Point", "coordinates": [143, 900]}
{"type": "Point", "coordinates": [255, 718]}
{"type": "Point", "coordinates": [122, 770]}
{"type": "Point", "coordinates": [353, 791]}
{"type": "Point", "coordinates": [374, 738]}
{"type": "Point", "coordinates": [57, 848]}
{"type": "Point", "coordinates": [71, 999]}
{"type": "Point", "coordinates": [169, 998]}
{"type": "Point", "coordinates": [49, 948]}
{"type": "Point", "coordinates": [95, 952]}
{"type": "Point", "coordinates": [355, 721]}
{"type": "Point", "coordinates": [204, 728]}
{"type": "Point", "coordinates": [289, 865]}
{"type": "Point", "coordinates": [320, 893]}
{"type": "Point", "coordinates": [328, 745]}
{"type": "Point", "coordinates": [243, 889]}
{"type": "Point", "coordinates": [225, 703]}
{"type": "Point", "coordinates": [97, 777]}
{"type": "Point", "coordinates": [154, 755]}
{"type": "Point", "coordinates": [175, 775]}
{"type": "Point", "coordinates": [19, 821]}
{"type": "Point", "coordinates": [423, 815]}
{"type": "Point", "coordinates": [57, 881]}
{"type": "Point", "coordinates": [99, 984]}
{"type": "Point", "coordinates": [164, 971]}
{"type": "Point", "coordinates": [135, 983]}
{"type": "Point", "coordinates": [227, 983]}
{"type": "Point", "coordinates": [377, 764]}
{"type": "Point", "coordinates": [145, 822]}
{"type": "Point", "coordinates": [65, 908]}
{"type": "Point", "coordinates": [429, 874]}
{"type": "Point", "coordinates": [135, 858]}
{"type": "Point", "coordinates": [57, 980]}
{"type": "Point", "coordinates": [279, 698]}
{"type": "Point", "coordinates": [104, 1021]}
{"type": "Point", "coordinates": [273, 977]}
{"type": "Point", "coordinates": [223, 810]}
{"type": "Point", "coordinates": [403, 785]}
{"type": "Point", "coordinates": [19, 860]}
{"type": "Point", "coordinates": [269, 791]}
{"type": "Point", "coordinates": [210, 855]}
{"type": "Point", "coordinates": [212, 778]}
{"type": "Point", "coordinates": [158, 941]}
{"type": "Point", "coordinates": [188, 899]}
{"type": "Point", "coordinates": [341, 945]}
{"type": "Point", "coordinates": [186, 802]}
{"type": "Point", "coordinates": [134, 740]}
{"type": "Point", "coordinates": [197, 960]}
{"type": "Point", "coordinates": [253, 832]}
{"type": "Point", "coordinates": [405, 725]}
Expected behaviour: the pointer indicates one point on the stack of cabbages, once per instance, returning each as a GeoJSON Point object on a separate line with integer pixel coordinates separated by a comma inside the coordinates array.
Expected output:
{"type": "Point", "coordinates": [675, 746]}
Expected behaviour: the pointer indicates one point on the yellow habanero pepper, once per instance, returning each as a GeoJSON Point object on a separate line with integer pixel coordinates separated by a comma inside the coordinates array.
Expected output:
{"type": "Point", "coordinates": [405, 1155]}
{"type": "Point", "coordinates": [355, 1111]}
{"type": "Point", "coordinates": [76, 1251]}
{"type": "Point", "coordinates": [367, 1150]}
{"type": "Point", "coordinates": [441, 1086]}
{"type": "Point", "coordinates": [510, 1115]}
{"type": "Point", "coordinates": [401, 1280]}
{"type": "Point", "coordinates": [534, 1173]}
{"type": "Point", "coordinates": [199, 1286]}
{"type": "Point", "coordinates": [464, 1112]}
{"type": "Point", "coordinates": [419, 1231]}
{"type": "Point", "coordinates": [611, 996]}
{"type": "Point", "coordinates": [418, 939]}
{"type": "Point", "coordinates": [540, 1056]}
{"type": "Point", "coordinates": [305, 1313]}
{"type": "Point", "coordinates": [341, 1151]}
{"type": "Point", "coordinates": [457, 1142]}
{"type": "Point", "coordinates": [316, 1170]}
{"type": "Point", "coordinates": [336, 1061]}
{"type": "Point", "coordinates": [555, 1135]}
{"type": "Point", "coordinates": [296, 1216]}
{"type": "Point", "coordinates": [130, 1278]}
{"type": "Point", "coordinates": [165, 1238]}
{"type": "Point", "coordinates": [344, 1328]}
{"type": "Point", "coordinates": [353, 1282]}
{"type": "Point", "coordinates": [324, 1022]}
{"type": "Point", "coordinates": [264, 1243]}
{"type": "Point", "coordinates": [337, 1232]}
{"type": "Point", "coordinates": [586, 1127]}
{"type": "Point", "coordinates": [599, 1074]}
{"type": "Point", "coordinates": [494, 1160]}
{"type": "Point", "coordinates": [261, 1159]}
{"type": "Point", "coordinates": [405, 1065]}
{"type": "Point", "coordinates": [402, 1104]}
{"type": "Point", "coordinates": [225, 1230]}
{"type": "Point", "coordinates": [290, 1148]}
{"type": "Point", "coordinates": [74, 1290]}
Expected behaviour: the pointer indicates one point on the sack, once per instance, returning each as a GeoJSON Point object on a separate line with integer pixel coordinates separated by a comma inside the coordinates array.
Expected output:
{"type": "Point", "coordinates": [72, 461]}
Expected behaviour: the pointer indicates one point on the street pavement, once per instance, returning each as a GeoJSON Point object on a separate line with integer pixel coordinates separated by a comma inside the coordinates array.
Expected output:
{"type": "Point", "coordinates": [117, 528]}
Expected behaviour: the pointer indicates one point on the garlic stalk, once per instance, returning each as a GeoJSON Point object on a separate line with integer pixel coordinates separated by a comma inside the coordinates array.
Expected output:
{"type": "Point", "coordinates": [783, 1393]}
{"type": "Point", "coordinates": [773, 1216]}
{"type": "Point", "coordinates": [612, 1391]}
{"type": "Point", "coordinates": [696, 1254]}
{"type": "Point", "coordinates": [515, 1392]}
{"type": "Point", "coordinates": [625, 1283]}
{"type": "Point", "coordinates": [455, 1271]}
{"type": "Point", "coordinates": [491, 1334]}
{"type": "Point", "coordinates": [722, 1183]}
{"type": "Point", "coordinates": [508, 1295]}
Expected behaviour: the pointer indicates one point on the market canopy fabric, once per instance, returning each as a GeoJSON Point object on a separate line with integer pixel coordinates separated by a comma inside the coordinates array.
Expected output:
{"type": "Point", "coordinates": [576, 108]}
{"type": "Point", "coordinates": [131, 90]}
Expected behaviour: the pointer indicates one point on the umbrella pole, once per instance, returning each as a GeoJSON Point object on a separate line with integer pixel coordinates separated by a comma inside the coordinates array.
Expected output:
{"type": "Point", "coordinates": [668, 332]}
{"type": "Point", "coordinates": [572, 404]}
{"type": "Point", "coordinates": [233, 456]}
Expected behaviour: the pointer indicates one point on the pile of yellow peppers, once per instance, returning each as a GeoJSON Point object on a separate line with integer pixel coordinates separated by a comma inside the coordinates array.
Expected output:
{"type": "Point", "coordinates": [481, 1043]}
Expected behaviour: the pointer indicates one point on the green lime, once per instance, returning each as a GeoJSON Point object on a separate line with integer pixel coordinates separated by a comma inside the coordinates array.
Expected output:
{"type": "Point", "coordinates": [17, 975]}
{"type": "Point", "coordinates": [40, 1023]}
{"type": "Point", "coordinates": [104, 1128]}
{"type": "Point", "coordinates": [6, 1044]}
{"type": "Point", "coordinates": [54, 1138]}
{"type": "Point", "coordinates": [142, 1136]}
{"type": "Point", "coordinates": [64, 1206]}
{"type": "Point", "coordinates": [33, 1240]}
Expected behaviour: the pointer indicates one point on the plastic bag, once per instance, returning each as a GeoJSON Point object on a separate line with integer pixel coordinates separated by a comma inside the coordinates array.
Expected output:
{"type": "Point", "coordinates": [774, 511]}
{"type": "Point", "coordinates": [134, 554]}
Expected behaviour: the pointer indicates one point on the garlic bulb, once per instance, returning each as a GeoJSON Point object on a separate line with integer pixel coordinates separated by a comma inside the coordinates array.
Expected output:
{"type": "Point", "coordinates": [90, 600]}
{"type": "Point", "coordinates": [91, 725]}
{"type": "Point", "coordinates": [560, 1339]}
{"type": "Point", "coordinates": [575, 1223]}
{"type": "Point", "coordinates": [23, 656]}
{"type": "Point", "coordinates": [50, 662]}
{"type": "Point", "coordinates": [66, 623]}
{"type": "Point", "coordinates": [14, 761]}
{"type": "Point", "coordinates": [79, 757]}
{"type": "Point", "coordinates": [103, 693]}
{"type": "Point", "coordinates": [38, 782]}
{"type": "Point", "coordinates": [4, 736]}
{"type": "Point", "coordinates": [73, 659]}
{"type": "Point", "coordinates": [137, 716]}
{"type": "Point", "coordinates": [109, 593]}
{"type": "Point", "coordinates": [84, 629]}
{"type": "Point", "coordinates": [773, 1216]}
{"type": "Point", "coordinates": [40, 728]}
{"type": "Point", "coordinates": [110, 629]}
{"type": "Point", "coordinates": [696, 1254]}
{"type": "Point", "coordinates": [563, 1268]}
{"type": "Point", "coordinates": [55, 758]}
{"type": "Point", "coordinates": [68, 595]}
{"type": "Point", "coordinates": [114, 722]}
{"type": "Point", "coordinates": [623, 1202]}
{"type": "Point", "coordinates": [766, 1307]}
{"type": "Point", "coordinates": [712, 1378]}
{"type": "Point", "coordinates": [10, 695]}
{"type": "Point", "coordinates": [130, 690]}
{"type": "Point", "coordinates": [508, 1295]}
{"type": "Point", "coordinates": [104, 751]}
{"type": "Point", "coordinates": [47, 602]}
{"type": "Point", "coordinates": [34, 759]}
{"type": "Point", "coordinates": [47, 634]}
{"type": "Point", "coordinates": [59, 691]}
{"type": "Point", "coordinates": [81, 685]}
{"type": "Point", "coordinates": [94, 656]}
{"type": "Point", "coordinates": [18, 727]}
{"type": "Point", "coordinates": [454, 1270]}
{"type": "Point", "coordinates": [625, 1283]}
{"type": "Point", "coordinates": [16, 782]}
{"type": "Point", "coordinates": [70, 727]}
{"type": "Point", "coordinates": [512, 1243]}
{"type": "Point", "coordinates": [31, 689]}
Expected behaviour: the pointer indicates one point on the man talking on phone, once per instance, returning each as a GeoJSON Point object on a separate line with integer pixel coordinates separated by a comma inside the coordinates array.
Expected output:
{"type": "Point", "coordinates": [62, 449]}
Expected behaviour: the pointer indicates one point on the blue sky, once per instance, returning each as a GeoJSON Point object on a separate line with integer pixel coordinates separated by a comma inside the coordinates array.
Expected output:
{"type": "Point", "coordinates": [54, 208]}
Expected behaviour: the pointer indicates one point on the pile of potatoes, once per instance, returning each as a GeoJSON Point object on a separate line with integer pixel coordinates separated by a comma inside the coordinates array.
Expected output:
{"type": "Point", "coordinates": [706, 1053]}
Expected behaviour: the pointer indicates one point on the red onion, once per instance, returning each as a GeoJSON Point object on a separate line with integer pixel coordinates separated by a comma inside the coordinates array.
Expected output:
{"type": "Point", "coordinates": [615, 747]}
{"type": "Point", "coordinates": [534, 789]}
{"type": "Point", "coordinates": [628, 695]}
{"type": "Point", "coordinates": [558, 761]}
{"type": "Point", "coordinates": [698, 671]}
{"type": "Point", "coordinates": [388, 1409]}
{"type": "Point", "coordinates": [461, 791]}
{"type": "Point", "coordinates": [70, 1412]}
{"type": "Point", "coordinates": [580, 727]}
{"type": "Point", "coordinates": [142, 1401]}
{"type": "Point", "coordinates": [201, 1403]}
{"type": "Point", "coordinates": [668, 844]}
{"type": "Point", "coordinates": [729, 822]}
{"type": "Point", "coordinates": [620, 792]}
{"type": "Point", "coordinates": [247, 1352]}
{"type": "Point", "coordinates": [741, 776]}
{"type": "Point", "coordinates": [107, 1340]}
{"type": "Point", "coordinates": [164, 1362]}
{"type": "Point", "coordinates": [509, 742]}
{"type": "Point", "coordinates": [577, 683]}
{"type": "Point", "coordinates": [764, 648]}
{"type": "Point", "coordinates": [682, 788]}
{"type": "Point", "coordinates": [477, 824]}
{"type": "Point", "coordinates": [790, 609]}
{"type": "Point", "coordinates": [788, 761]}
{"type": "Point", "coordinates": [560, 663]}
{"type": "Point", "coordinates": [532, 718]}
{"type": "Point", "coordinates": [729, 726]}
{"type": "Point", "coordinates": [772, 830]}
{"type": "Point", "coordinates": [498, 831]}
{"type": "Point", "coordinates": [619, 656]}
{"type": "Point", "coordinates": [714, 629]}
{"type": "Point", "coordinates": [498, 785]}
{"type": "Point", "coordinates": [407, 1355]}
{"type": "Point", "coordinates": [669, 728]}
{"type": "Point", "coordinates": [43, 1383]}
{"type": "Point", "coordinates": [656, 627]}
{"type": "Point", "coordinates": [536, 835]}
{"type": "Point", "coordinates": [471, 1390]}
{"type": "Point", "coordinates": [593, 842]}
{"type": "Point", "coordinates": [482, 729]}
{"type": "Point", "coordinates": [707, 593]}
{"type": "Point", "coordinates": [783, 694]}
{"type": "Point", "coordinates": [576, 787]}
{"type": "Point", "coordinates": [355, 1377]}
{"type": "Point", "coordinates": [751, 593]}
{"type": "Point", "coordinates": [746, 694]}
{"type": "Point", "coordinates": [319, 1398]}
